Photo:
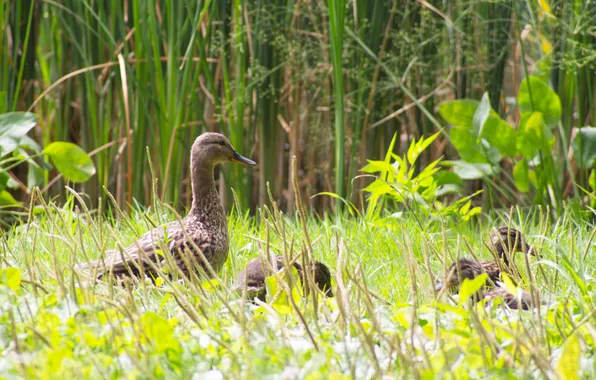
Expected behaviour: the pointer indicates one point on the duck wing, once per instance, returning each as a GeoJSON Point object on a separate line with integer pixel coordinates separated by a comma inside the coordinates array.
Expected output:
{"type": "Point", "coordinates": [146, 253]}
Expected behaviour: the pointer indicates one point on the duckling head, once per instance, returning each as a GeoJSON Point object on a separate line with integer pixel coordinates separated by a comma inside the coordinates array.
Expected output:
{"type": "Point", "coordinates": [505, 241]}
{"type": "Point", "coordinates": [322, 277]}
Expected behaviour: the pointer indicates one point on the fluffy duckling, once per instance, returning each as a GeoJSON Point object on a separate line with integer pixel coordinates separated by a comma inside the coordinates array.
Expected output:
{"type": "Point", "coordinates": [505, 241]}
{"type": "Point", "coordinates": [470, 269]}
{"type": "Point", "coordinates": [253, 276]}
{"type": "Point", "coordinates": [524, 302]}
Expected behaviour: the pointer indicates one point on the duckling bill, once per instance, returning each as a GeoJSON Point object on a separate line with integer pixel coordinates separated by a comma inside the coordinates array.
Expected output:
{"type": "Point", "coordinates": [254, 275]}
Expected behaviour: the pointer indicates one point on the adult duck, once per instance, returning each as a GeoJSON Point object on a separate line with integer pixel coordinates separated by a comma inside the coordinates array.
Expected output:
{"type": "Point", "coordinates": [198, 240]}
{"type": "Point", "coordinates": [253, 277]}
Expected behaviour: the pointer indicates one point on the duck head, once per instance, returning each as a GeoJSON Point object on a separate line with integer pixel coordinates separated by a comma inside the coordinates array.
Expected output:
{"type": "Point", "coordinates": [210, 149]}
{"type": "Point", "coordinates": [505, 241]}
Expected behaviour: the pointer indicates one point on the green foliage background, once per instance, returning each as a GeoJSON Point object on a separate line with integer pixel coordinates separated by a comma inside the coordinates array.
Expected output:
{"type": "Point", "coordinates": [330, 82]}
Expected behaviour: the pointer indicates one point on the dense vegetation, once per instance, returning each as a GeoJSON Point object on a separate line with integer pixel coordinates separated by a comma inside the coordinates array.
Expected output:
{"type": "Point", "coordinates": [421, 124]}
{"type": "Point", "coordinates": [328, 82]}
{"type": "Point", "coordinates": [384, 319]}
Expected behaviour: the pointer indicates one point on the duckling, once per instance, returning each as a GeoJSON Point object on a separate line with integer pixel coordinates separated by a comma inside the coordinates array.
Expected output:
{"type": "Point", "coordinates": [505, 241]}
{"type": "Point", "coordinates": [205, 227]}
{"type": "Point", "coordinates": [253, 276]}
{"type": "Point", "coordinates": [524, 302]}
{"type": "Point", "coordinates": [470, 269]}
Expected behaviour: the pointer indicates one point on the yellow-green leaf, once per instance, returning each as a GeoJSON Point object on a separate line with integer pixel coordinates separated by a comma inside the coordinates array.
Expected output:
{"type": "Point", "coordinates": [10, 277]}
{"type": "Point", "coordinates": [568, 366]}
{"type": "Point", "coordinates": [546, 7]}
{"type": "Point", "coordinates": [469, 287]}
{"type": "Point", "coordinates": [509, 285]}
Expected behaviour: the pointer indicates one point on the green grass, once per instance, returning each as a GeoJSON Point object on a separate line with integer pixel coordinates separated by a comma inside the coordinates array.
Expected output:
{"type": "Point", "coordinates": [58, 323]}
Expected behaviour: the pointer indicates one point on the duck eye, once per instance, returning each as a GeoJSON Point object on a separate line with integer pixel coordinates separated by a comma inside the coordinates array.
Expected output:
{"type": "Point", "coordinates": [222, 143]}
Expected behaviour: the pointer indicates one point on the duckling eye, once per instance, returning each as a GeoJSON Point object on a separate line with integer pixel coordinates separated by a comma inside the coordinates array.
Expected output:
{"type": "Point", "coordinates": [222, 143]}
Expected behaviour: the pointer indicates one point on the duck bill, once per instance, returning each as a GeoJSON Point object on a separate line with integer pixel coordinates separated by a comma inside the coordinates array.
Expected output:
{"type": "Point", "coordinates": [239, 159]}
{"type": "Point", "coordinates": [532, 251]}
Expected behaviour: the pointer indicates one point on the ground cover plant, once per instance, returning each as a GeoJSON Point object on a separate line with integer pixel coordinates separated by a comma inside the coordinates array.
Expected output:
{"type": "Point", "coordinates": [384, 319]}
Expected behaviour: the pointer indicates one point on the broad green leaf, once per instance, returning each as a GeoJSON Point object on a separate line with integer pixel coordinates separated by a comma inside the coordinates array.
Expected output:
{"type": "Point", "coordinates": [55, 358]}
{"type": "Point", "coordinates": [520, 175]}
{"type": "Point", "coordinates": [468, 171]}
{"type": "Point", "coordinates": [469, 287]}
{"type": "Point", "coordinates": [379, 187]}
{"type": "Point", "coordinates": [34, 176]}
{"type": "Point", "coordinates": [160, 332]}
{"type": "Point", "coordinates": [568, 366]}
{"type": "Point", "coordinates": [6, 199]}
{"type": "Point", "coordinates": [475, 211]}
{"type": "Point", "coordinates": [28, 142]}
{"type": "Point", "coordinates": [10, 277]}
{"type": "Point", "coordinates": [481, 115]}
{"type": "Point", "coordinates": [459, 112]}
{"type": "Point", "coordinates": [500, 135]}
{"type": "Point", "coordinates": [13, 127]}
{"type": "Point", "coordinates": [533, 135]}
{"type": "Point", "coordinates": [464, 209]}
{"type": "Point", "coordinates": [536, 96]}
{"type": "Point", "coordinates": [584, 147]}
{"type": "Point", "coordinates": [465, 142]}
{"type": "Point", "coordinates": [71, 161]}
{"type": "Point", "coordinates": [445, 177]}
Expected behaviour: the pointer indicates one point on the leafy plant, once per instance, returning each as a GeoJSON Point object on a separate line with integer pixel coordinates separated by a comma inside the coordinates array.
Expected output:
{"type": "Point", "coordinates": [397, 181]}
{"type": "Point", "coordinates": [484, 140]}
{"type": "Point", "coordinates": [17, 148]}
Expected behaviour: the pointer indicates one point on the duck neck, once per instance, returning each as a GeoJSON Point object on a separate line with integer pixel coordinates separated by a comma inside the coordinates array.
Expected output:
{"type": "Point", "coordinates": [205, 199]}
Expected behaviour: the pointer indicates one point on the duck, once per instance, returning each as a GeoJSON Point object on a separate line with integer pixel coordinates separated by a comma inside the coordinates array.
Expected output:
{"type": "Point", "coordinates": [465, 268]}
{"type": "Point", "coordinates": [203, 229]}
{"type": "Point", "coordinates": [255, 273]}
{"type": "Point", "coordinates": [504, 242]}
{"type": "Point", "coordinates": [523, 301]}
{"type": "Point", "coordinates": [493, 289]}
